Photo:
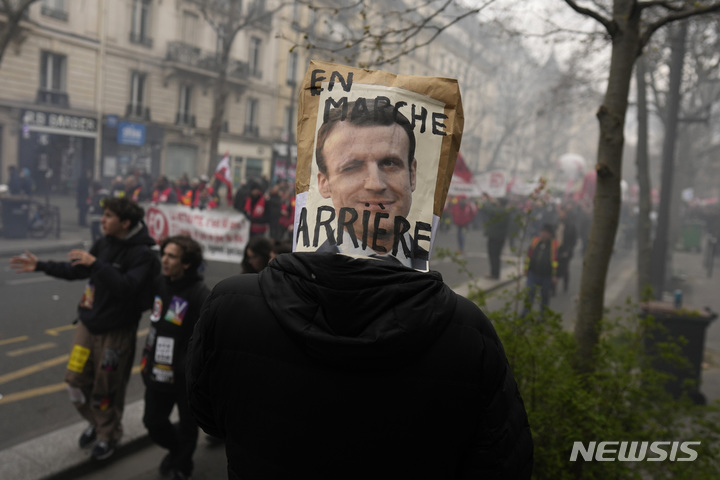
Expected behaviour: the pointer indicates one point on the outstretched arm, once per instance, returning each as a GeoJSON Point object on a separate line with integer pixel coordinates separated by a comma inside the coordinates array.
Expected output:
{"type": "Point", "coordinates": [24, 263]}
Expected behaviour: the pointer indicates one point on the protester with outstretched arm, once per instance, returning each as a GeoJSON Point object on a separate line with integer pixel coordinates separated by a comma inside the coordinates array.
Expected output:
{"type": "Point", "coordinates": [119, 268]}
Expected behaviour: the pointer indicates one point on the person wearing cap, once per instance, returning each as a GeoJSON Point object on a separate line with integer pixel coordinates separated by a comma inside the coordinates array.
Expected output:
{"type": "Point", "coordinates": [541, 267]}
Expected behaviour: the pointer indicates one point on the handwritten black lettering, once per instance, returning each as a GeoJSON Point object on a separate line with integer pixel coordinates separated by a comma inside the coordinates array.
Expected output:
{"type": "Point", "coordinates": [360, 108]}
{"type": "Point", "coordinates": [303, 229]}
{"type": "Point", "coordinates": [319, 222]}
{"type": "Point", "coordinates": [422, 117]}
{"type": "Point", "coordinates": [418, 252]}
{"type": "Point", "coordinates": [401, 227]}
{"type": "Point", "coordinates": [379, 231]}
{"type": "Point", "coordinates": [316, 80]}
{"type": "Point", "coordinates": [437, 124]}
{"type": "Point", "coordinates": [344, 223]}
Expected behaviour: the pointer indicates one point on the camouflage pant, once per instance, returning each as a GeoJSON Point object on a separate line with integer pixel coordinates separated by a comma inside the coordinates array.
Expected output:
{"type": "Point", "coordinates": [97, 376]}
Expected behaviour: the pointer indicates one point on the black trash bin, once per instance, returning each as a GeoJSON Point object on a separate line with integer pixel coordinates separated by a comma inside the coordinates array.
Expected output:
{"type": "Point", "coordinates": [15, 217]}
{"type": "Point", "coordinates": [670, 324]}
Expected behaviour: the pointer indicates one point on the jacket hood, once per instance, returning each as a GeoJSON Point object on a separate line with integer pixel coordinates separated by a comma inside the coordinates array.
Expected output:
{"type": "Point", "coordinates": [360, 313]}
{"type": "Point", "coordinates": [138, 235]}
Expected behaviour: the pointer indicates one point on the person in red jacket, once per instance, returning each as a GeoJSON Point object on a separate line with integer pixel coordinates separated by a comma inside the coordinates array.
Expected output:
{"type": "Point", "coordinates": [463, 213]}
{"type": "Point", "coordinates": [256, 210]}
{"type": "Point", "coordinates": [164, 191]}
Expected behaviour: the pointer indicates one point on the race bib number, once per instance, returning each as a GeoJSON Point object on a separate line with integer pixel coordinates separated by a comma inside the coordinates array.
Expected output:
{"type": "Point", "coordinates": [78, 358]}
{"type": "Point", "coordinates": [163, 374]}
{"type": "Point", "coordinates": [164, 350]}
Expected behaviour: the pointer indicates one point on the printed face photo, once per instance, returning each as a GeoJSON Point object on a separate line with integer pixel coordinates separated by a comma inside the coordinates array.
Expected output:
{"type": "Point", "coordinates": [367, 167]}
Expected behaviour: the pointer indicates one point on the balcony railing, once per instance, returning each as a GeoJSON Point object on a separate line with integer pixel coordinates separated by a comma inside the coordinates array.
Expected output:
{"type": "Point", "coordinates": [252, 130]}
{"type": "Point", "coordinates": [141, 39]}
{"type": "Point", "coordinates": [52, 97]}
{"type": "Point", "coordinates": [54, 13]}
{"type": "Point", "coordinates": [194, 57]}
{"type": "Point", "coordinates": [137, 111]}
{"type": "Point", "coordinates": [184, 118]}
{"type": "Point", "coordinates": [183, 53]}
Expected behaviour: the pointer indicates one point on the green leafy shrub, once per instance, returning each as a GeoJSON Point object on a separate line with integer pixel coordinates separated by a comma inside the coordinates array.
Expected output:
{"type": "Point", "coordinates": [623, 400]}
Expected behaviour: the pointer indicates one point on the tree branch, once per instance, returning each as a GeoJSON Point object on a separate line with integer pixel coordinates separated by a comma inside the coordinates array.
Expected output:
{"type": "Point", "coordinates": [674, 17]}
{"type": "Point", "coordinates": [659, 3]}
{"type": "Point", "coordinates": [606, 22]}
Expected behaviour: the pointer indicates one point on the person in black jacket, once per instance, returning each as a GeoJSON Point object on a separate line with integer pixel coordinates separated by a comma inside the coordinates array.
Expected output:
{"type": "Point", "coordinates": [180, 293]}
{"type": "Point", "coordinates": [329, 366]}
{"type": "Point", "coordinates": [119, 267]}
{"type": "Point", "coordinates": [566, 234]}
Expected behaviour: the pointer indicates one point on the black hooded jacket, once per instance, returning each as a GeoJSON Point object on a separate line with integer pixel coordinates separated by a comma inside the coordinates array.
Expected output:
{"type": "Point", "coordinates": [175, 312]}
{"type": "Point", "coordinates": [327, 366]}
{"type": "Point", "coordinates": [118, 281]}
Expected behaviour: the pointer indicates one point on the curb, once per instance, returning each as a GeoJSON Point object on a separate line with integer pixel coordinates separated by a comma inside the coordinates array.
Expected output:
{"type": "Point", "coordinates": [56, 455]}
{"type": "Point", "coordinates": [9, 251]}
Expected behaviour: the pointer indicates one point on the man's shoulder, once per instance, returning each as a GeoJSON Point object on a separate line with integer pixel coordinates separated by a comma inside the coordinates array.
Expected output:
{"type": "Point", "coordinates": [246, 283]}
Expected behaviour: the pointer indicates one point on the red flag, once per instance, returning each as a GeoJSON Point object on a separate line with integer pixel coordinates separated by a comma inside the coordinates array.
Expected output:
{"type": "Point", "coordinates": [461, 169]}
{"type": "Point", "coordinates": [222, 173]}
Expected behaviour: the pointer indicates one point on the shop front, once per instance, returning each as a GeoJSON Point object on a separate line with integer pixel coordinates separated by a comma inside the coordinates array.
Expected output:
{"type": "Point", "coordinates": [129, 148]}
{"type": "Point", "coordinates": [247, 161]}
{"type": "Point", "coordinates": [56, 148]}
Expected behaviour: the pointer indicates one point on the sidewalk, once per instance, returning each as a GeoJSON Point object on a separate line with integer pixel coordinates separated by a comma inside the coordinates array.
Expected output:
{"type": "Point", "coordinates": [71, 234]}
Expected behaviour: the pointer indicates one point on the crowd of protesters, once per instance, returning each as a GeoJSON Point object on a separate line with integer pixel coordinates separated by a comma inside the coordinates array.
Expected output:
{"type": "Point", "coordinates": [270, 209]}
{"type": "Point", "coordinates": [547, 229]}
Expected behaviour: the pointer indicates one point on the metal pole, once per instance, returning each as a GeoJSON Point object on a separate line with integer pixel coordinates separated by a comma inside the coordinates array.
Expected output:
{"type": "Point", "coordinates": [99, 86]}
{"type": "Point", "coordinates": [290, 128]}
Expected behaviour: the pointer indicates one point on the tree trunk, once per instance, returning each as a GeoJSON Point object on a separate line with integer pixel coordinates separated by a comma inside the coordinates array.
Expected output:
{"type": "Point", "coordinates": [220, 96]}
{"type": "Point", "coordinates": [7, 34]}
{"type": "Point", "coordinates": [227, 31]}
{"type": "Point", "coordinates": [644, 241]}
{"type": "Point", "coordinates": [611, 116]}
{"type": "Point", "coordinates": [660, 250]}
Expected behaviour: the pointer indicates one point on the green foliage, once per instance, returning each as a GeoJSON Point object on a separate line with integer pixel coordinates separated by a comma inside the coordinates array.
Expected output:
{"type": "Point", "coordinates": [623, 400]}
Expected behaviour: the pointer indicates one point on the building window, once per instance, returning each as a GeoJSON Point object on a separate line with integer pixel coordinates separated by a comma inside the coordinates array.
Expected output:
{"type": "Point", "coordinates": [138, 100]}
{"type": "Point", "coordinates": [292, 62]}
{"type": "Point", "coordinates": [184, 115]}
{"type": "Point", "coordinates": [53, 68]}
{"type": "Point", "coordinates": [190, 28]}
{"type": "Point", "coordinates": [52, 72]}
{"type": "Point", "coordinates": [254, 63]}
{"type": "Point", "coordinates": [251, 116]}
{"type": "Point", "coordinates": [54, 9]}
{"type": "Point", "coordinates": [140, 28]}
{"type": "Point", "coordinates": [253, 168]}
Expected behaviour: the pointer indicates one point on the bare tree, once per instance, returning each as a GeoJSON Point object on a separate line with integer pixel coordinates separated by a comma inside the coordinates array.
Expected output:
{"type": "Point", "coordinates": [11, 13]}
{"type": "Point", "coordinates": [371, 34]}
{"type": "Point", "coordinates": [381, 34]}
{"type": "Point", "coordinates": [227, 18]}
{"type": "Point", "coordinates": [644, 243]}
{"type": "Point", "coordinates": [629, 24]}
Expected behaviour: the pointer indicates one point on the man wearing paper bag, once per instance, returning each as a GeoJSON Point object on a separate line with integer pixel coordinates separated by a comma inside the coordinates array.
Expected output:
{"type": "Point", "coordinates": [338, 365]}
